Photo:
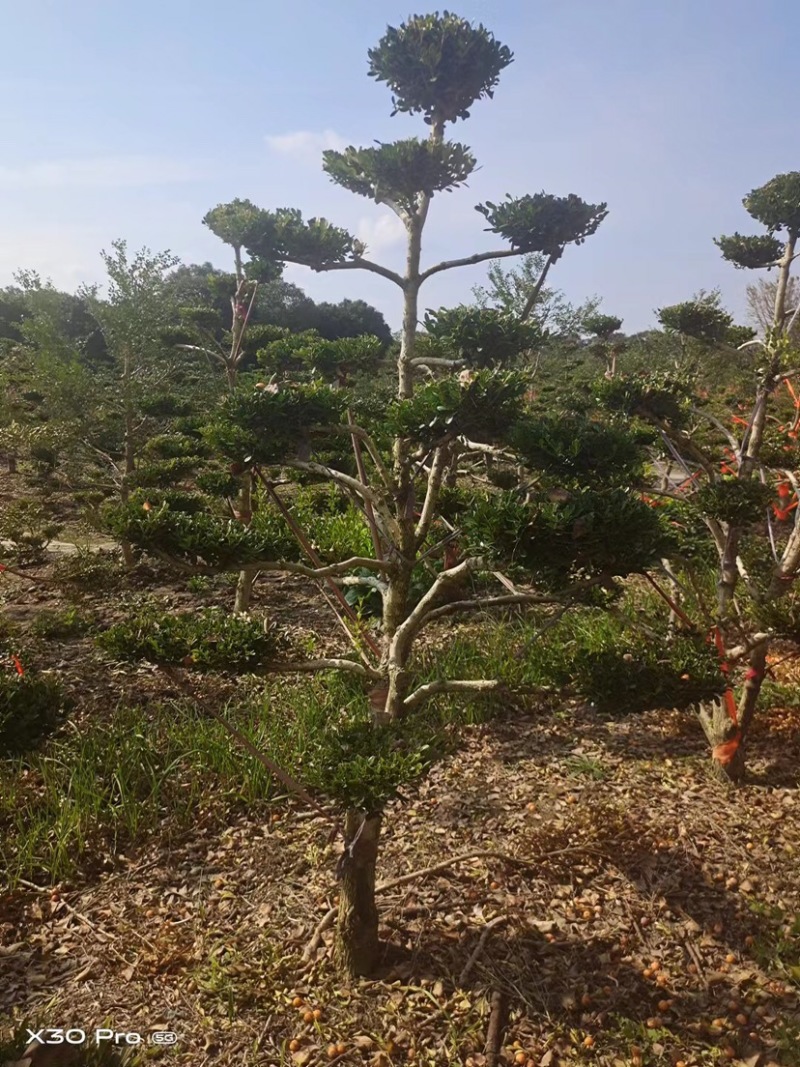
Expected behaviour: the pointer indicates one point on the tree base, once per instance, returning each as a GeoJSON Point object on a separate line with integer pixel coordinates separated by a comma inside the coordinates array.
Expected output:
{"type": "Point", "coordinates": [357, 948]}
{"type": "Point", "coordinates": [727, 743]}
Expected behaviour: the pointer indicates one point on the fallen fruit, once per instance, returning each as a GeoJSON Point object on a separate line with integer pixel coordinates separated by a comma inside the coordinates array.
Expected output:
{"type": "Point", "coordinates": [298, 1002]}
{"type": "Point", "coordinates": [294, 1045]}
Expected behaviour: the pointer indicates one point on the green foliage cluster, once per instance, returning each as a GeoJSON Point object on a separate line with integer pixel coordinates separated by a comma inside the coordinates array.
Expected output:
{"type": "Point", "coordinates": [558, 541]}
{"type": "Point", "coordinates": [88, 571]}
{"type": "Point", "coordinates": [401, 171]}
{"type": "Point", "coordinates": [664, 395]}
{"type": "Point", "coordinates": [266, 425]}
{"type": "Point", "coordinates": [701, 319]}
{"type": "Point", "coordinates": [578, 451]}
{"type": "Point", "coordinates": [480, 409]}
{"type": "Point", "coordinates": [202, 540]}
{"type": "Point", "coordinates": [330, 742]}
{"type": "Point", "coordinates": [314, 356]}
{"type": "Point", "coordinates": [733, 500]}
{"type": "Point", "coordinates": [628, 672]}
{"type": "Point", "coordinates": [750, 252]}
{"type": "Point", "coordinates": [481, 337]}
{"type": "Point", "coordinates": [335, 527]}
{"type": "Point", "coordinates": [207, 640]}
{"type": "Point", "coordinates": [315, 242]}
{"type": "Point", "coordinates": [543, 222]}
{"type": "Point", "coordinates": [32, 705]}
{"type": "Point", "coordinates": [60, 625]}
{"type": "Point", "coordinates": [29, 525]}
{"type": "Point", "coordinates": [602, 326]}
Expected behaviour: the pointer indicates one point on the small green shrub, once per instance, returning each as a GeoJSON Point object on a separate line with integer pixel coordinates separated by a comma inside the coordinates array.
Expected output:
{"type": "Point", "coordinates": [31, 707]}
{"type": "Point", "coordinates": [53, 625]}
{"type": "Point", "coordinates": [29, 527]}
{"type": "Point", "coordinates": [209, 640]}
{"type": "Point", "coordinates": [89, 572]}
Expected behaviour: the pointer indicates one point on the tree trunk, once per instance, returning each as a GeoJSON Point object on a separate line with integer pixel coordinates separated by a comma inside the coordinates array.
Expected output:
{"type": "Point", "coordinates": [725, 738]}
{"type": "Point", "coordinates": [394, 657]}
{"type": "Point", "coordinates": [12, 463]}
{"type": "Point", "coordinates": [244, 585]}
{"type": "Point", "coordinates": [357, 946]}
{"type": "Point", "coordinates": [129, 451]}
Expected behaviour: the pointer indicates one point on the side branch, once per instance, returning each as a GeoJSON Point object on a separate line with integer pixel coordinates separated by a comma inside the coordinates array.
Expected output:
{"type": "Point", "coordinates": [353, 484]}
{"type": "Point", "coordinates": [281, 566]}
{"type": "Point", "coordinates": [359, 264]}
{"type": "Point", "coordinates": [435, 477]}
{"type": "Point", "coordinates": [312, 666]}
{"type": "Point", "coordinates": [468, 261]}
{"type": "Point", "coordinates": [418, 617]}
{"type": "Point", "coordinates": [488, 602]}
{"type": "Point", "coordinates": [424, 692]}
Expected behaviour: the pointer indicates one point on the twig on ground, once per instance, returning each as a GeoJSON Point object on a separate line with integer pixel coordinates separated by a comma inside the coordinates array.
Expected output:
{"type": "Point", "coordinates": [491, 925]}
{"type": "Point", "coordinates": [494, 1032]}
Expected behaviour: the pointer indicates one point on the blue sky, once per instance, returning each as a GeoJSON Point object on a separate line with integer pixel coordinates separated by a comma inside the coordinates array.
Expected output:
{"type": "Point", "coordinates": [133, 119]}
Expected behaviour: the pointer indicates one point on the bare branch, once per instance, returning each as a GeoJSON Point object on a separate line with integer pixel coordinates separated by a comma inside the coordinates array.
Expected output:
{"type": "Point", "coordinates": [534, 294]}
{"type": "Point", "coordinates": [731, 439]}
{"type": "Point", "coordinates": [312, 666]}
{"type": "Point", "coordinates": [355, 486]}
{"type": "Point", "coordinates": [488, 602]}
{"type": "Point", "coordinates": [359, 264]}
{"type": "Point", "coordinates": [354, 430]}
{"type": "Point", "coordinates": [425, 692]}
{"type": "Point", "coordinates": [408, 629]}
{"type": "Point", "coordinates": [438, 467]}
{"type": "Point", "coordinates": [468, 261]}
{"type": "Point", "coordinates": [280, 566]}
{"type": "Point", "coordinates": [220, 357]}
{"type": "Point", "coordinates": [489, 450]}
{"type": "Point", "coordinates": [426, 362]}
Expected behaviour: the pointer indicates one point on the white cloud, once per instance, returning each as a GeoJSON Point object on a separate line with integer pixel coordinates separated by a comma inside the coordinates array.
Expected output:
{"type": "Point", "coordinates": [305, 145]}
{"type": "Point", "coordinates": [105, 172]}
{"type": "Point", "coordinates": [386, 231]}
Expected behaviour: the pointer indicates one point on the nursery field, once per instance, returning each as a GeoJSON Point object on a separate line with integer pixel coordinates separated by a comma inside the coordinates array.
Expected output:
{"type": "Point", "coordinates": [580, 874]}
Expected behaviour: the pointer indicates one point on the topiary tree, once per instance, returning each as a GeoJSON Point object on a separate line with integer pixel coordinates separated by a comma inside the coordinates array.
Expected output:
{"type": "Point", "coordinates": [736, 500]}
{"type": "Point", "coordinates": [554, 522]}
{"type": "Point", "coordinates": [606, 345]}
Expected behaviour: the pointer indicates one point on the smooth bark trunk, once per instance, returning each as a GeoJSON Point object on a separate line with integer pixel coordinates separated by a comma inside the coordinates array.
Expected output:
{"type": "Point", "coordinates": [357, 946]}
{"type": "Point", "coordinates": [244, 584]}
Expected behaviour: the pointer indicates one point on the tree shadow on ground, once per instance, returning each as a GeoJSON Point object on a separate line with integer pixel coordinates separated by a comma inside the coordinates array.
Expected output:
{"type": "Point", "coordinates": [580, 976]}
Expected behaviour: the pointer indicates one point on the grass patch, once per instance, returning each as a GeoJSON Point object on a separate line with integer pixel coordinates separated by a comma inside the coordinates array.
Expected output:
{"type": "Point", "coordinates": [92, 792]}
{"type": "Point", "coordinates": [64, 625]}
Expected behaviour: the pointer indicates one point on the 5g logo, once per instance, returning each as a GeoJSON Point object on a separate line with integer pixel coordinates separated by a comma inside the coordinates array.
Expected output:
{"type": "Point", "coordinates": [164, 1037]}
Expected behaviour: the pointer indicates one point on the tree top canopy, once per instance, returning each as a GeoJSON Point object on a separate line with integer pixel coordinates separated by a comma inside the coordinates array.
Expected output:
{"type": "Point", "coordinates": [438, 65]}
{"type": "Point", "coordinates": [777, 203]}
